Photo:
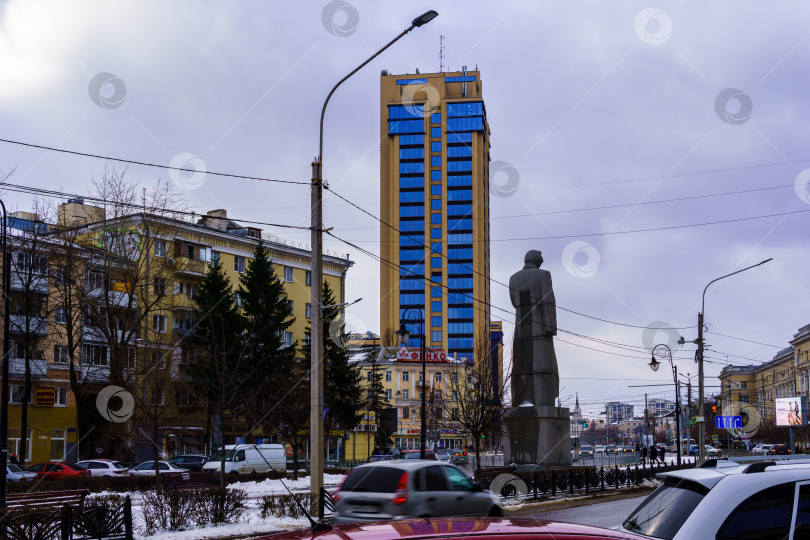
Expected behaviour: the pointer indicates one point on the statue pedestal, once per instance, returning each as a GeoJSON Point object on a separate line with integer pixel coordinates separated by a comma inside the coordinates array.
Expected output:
{"type": "Point", "coordinates": [537, 435]}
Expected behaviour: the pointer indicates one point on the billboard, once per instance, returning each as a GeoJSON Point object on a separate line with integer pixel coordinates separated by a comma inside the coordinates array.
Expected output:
{"type": "Point", "coordinates": [791, 411]}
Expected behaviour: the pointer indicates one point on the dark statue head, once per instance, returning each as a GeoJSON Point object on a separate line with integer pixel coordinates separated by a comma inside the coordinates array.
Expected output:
{"type": "Point", "coordinates": [533, 258]}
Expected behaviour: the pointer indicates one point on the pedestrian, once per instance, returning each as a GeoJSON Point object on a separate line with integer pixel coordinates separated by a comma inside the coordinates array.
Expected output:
{"type": "Point", "coordinates": [644, 454]}
{"type": "Point", "coordinates": [663, 453]}
{"type": "Point", "coordinates": [14, 459]}
{"type": "Point", "coordinates": [653, 454]}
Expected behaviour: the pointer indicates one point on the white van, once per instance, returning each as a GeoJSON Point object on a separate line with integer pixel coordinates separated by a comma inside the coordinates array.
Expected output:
{"type": "Point", "coordinates": [250, 458]}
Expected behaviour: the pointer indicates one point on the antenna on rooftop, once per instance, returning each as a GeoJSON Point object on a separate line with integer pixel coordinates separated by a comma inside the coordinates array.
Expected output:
{"type": "Point", "coordinates": [441, 54]}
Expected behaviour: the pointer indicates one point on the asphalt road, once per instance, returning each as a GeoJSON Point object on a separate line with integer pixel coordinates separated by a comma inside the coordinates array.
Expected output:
{"type": "Point", "coordinates": [608, 514]}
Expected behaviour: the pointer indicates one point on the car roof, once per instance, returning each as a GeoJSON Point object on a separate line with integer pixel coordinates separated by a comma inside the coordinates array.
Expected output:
{"type": "Point", "coordinates": [455, 528]}
{"type": "Point", "coordinates": [771, 471]}
{"type": "Point", "coordinates": [405, 465]}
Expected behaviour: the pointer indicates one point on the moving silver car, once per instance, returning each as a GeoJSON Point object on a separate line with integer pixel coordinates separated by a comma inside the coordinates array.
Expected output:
{"type": "Point", "coordinates": [405, 488]}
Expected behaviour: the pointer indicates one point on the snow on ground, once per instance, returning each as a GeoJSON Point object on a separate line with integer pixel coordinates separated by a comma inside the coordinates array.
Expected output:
{"type": "Point", "coordinates": [274, 487]}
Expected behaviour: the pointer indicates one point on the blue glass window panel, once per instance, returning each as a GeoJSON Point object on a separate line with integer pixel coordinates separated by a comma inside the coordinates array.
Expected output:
{"type": "Point", "coordinates": [435, 262]}
{"type": "Point", "coordinates": [436, 306]}
{"type": "Point", "coordinates": [411, 81]}
{"type": "Point", "coordinates": [436, 146]}
{"type": "Point", "coordinates": [411, 315]}
{"type": "Point", "coordinates": [459, 313]}
{"type": "Point", "coordinates": [412, 284]}
{"type": "Point", "coordinates": [435, 292]}
{"type": "Point", "coordinates": [412, 153]}
{"type": "Point", "coordinates": [453, 166]}
{"type": "Point", "coordinates": [412, 240]}
{"type": "Point", "coordinates": [406, 126]}
{"type": "Point", "coordinates": [436, 335]}
{"type": "Point", "coordinates": [459, 238]}
{"type": "Point", "coordinates": [454, 138]}
{"type": "Point", "coordinates": [436, 321]}
{"type": "Point", "coordinates": [436, 118]}
{"type": "Point", "coordinates": [456, 298]}
{"type": "Point", "coordinates": [411, 226]}
{"type": "Point", "coordinates": [436, 219]}
{"type": "Point", "coordinates": [411, 269]}
{"type": "Point", "coordinates": [411, 255]}
{"type": "Point", "coordinates": [456, 209]}
{"type": "Point", "coordinates": [412, 182]}
{"type": "Point", "coordinates": [414, 167]}
{"type": "Point", "coordinates": [406, 112]}
{"type": "Point", "coordinates": [435, 234]}
{"type": "Point", "coordinates": [463, 78]}
{"type": "Point", "coordinates": [435, 161]}
{"type": "Point", "coordinates": [411, 196]}
{"type": "Point", "coordinates": [460, 180]}
{"type": "Point", "coordinates": [412, 211]}
{"type": "Point", "coordinates": [467, 108]}
{"type": "Point", "coordinates": [460, 328]}
{"type": "Point", "coordinates": [459, 195]}
{"type": "Point", "coordinates": [413, 342]}
{"type": "Point", "coordinates": [460, 283]}
{"type": "Point", "coordinates": [436, 132]}
{"type": "Point", "coordinates": [459, 225]}
{"type": "Point", "coordinates": [435, 175]}
{"type": "Point", "coordinates": [436, 278]}
{"type": "Point", "coordinates": [474, 123]}
{"type": "Point", "coordinates": [436, 247]}
{"type": "Point", "coordinates": [436, 189]}
{"type": "Point", "coordinates": [415, 140]}
{"type": "Point", "coordinates": [456, 268]}
{"type": "Point", "coordinates": [455, 151]}
{"type": "Point", "coordinates": [460, 343]}
{"type": "Point", "coordinates": [461, 254]}
{"type": "Point", "coordinates": [435, 204]}
{"type": "Point", "coordinates": [412, 299]}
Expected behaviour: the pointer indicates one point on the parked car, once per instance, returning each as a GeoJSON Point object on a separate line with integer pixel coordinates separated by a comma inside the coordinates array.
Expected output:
{"type": "Point", "coordinates": [727, 499]}
{"type": "Point", "coordinates": [444, 455]}
{"type": "Point", "coordinates": [147, 468]}
{"type": "Point", "coordinates": [415, 454]}
{"type": "Point", "coordinates": [103, 467]}
{"type": "Point", "coordinates": [56, 470]}
{"type": "Point", "coordinates": [381, 457]}
{"type": "Point", "coordinates": [15, 473]}
{"type": "Point", "coordinates": [612, 449]}
{"type": "Point", "coordinates": [710, 451]}
{"type": "Point", "coordinates": [250, 458]}
{"type": "Point", "coordinates": [192, 462]}
{"type": "Point", "coordinates": [586, 452]}
{"type": "Point", "coordinates": [457, 528]}
{"type": "Point", "coordinates": [405, 488]}
{"type": "Point", "coordinates": [779, 450]}
{"type": "Point", "coordinates": [761, 448]}
{"type": "Point", "coordinates": [600, 448]}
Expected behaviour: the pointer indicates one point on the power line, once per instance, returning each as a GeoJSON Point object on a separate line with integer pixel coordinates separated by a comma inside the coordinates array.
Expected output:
{"type": "Point", "coordinates": [146, 164]}
{"type": "Point", "coordinates": [746, 340]}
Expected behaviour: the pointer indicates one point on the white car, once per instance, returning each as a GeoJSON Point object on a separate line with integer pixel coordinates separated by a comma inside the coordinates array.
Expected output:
{"type": "Point", "coordinates": [600, 449]}
{"type": "Point", "coordinates": [15, 473]}
{"type": "Point", "coordinates": [750, 498]}
{"type": "Point", "coordinates": [104, 467]}
{"type": "Point", "coordinates": [147, 468]}
{"type": "Point", "coordinates": [762, 448]}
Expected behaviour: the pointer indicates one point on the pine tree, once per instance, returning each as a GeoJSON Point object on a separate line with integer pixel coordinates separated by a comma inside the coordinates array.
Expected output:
{"type": "Point", "coordinates": [376, 401]}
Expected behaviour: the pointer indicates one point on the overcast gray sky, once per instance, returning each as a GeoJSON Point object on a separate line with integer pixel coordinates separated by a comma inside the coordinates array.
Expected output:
{"type": "Point", "coordinates": [619, 104]}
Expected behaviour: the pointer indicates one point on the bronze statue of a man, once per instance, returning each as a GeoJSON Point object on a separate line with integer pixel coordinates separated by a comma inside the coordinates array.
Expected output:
{"type": "Point", "coordinates": [535, 381]}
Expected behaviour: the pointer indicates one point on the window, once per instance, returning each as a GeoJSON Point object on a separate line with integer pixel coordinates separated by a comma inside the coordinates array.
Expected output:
{"type": "Point", "coordinates": [406, 394]}
{"type": "Point", "coordinates": [308, 310]}
{"type": "Point", "coordinates": [369, 394]}
{"type": "Point", "coordinates": [182, 398]}
{"type": "Point", "coordinates": [436, 306]}
{"type": "Point", "coordinates": [159, 323]}
{"type": "Point", "coordinates": [94, 355]}
{"type": "Point", "coordinates": [454, 394]}
{"type": "Point", "coordinates": [60, 354]}
{"type": "Point", "coordinates": [803, 512]}
{"type": "Point", "coordinates": [160, 248]}
{"type": "Point", "coordinates": [454, 377]}
{"type": "Point", "coordinates": [288, 274]}
{"type": "Point", "coordinates": [308, 278]}
{"type": "Point", "coordinates": [238, 264]}
{"type": "Point", "coordinates": [434, 479]}
{"type": "Point", "coordinates": [454, 413]}
{"type": "Point", "coordinates": [288, 339]}
{"type": "Point", "coordinates": [94, 279]}
{"type": "Point", "coordinates": [388, 376]}
{"type": "Point", "coordinates": [438, 376]}
{"type": "Point", "coordinates": [436, 146]}
{"type": "Point", "coordinates": [290, 306]}
{"type": "Point", "coordinates": [406, 412]}
{"type": "Point", "coordinates": [16, 393]}
{"type": "Point", "coordinates": [57, 444]}
{"type": "Point", "coordinates": [435, 161]}
{"type": "Point", "coordinates": [436, 118]}
{"type": "Point", "coordinates": [436, 204]}
{"type": "Point", "coordinates": [436, 132]}
{"type": "Point", "coordinates": [436, 219]}
{"type": "Point", "coordinates": [14, 444]}
{"type": "Point", "coordinates": [387, 393]}
{"type": "Point", "coordinates": [59, 315]}
{"type": "Point", "coordinates": [216, 257]}
{"type": "Point", "coordinates": [765, 515]}
{"type": "Point", "coordinates": [159, 286]}
{"type": "Point", "coordinates": [238, 301]}
{"type": "Point", "coordinates": [156, 398]}
{"type": "Point", "coordinates": [60, 396]}
{"type": "Point", "coordinates": [664, 512]}
{"type": "Point", "coordinates": [436, 336]}
{"type": "Point", "coordinates": [369, 376]}
{"type": "Point", "coordinates": [438, 394]}
{"type": "Point", "coordinates": [405, 376]}
{"type": "Point", "coordinates": [60, 274]}
{"type": "Point", "coordinates": [744, 385]}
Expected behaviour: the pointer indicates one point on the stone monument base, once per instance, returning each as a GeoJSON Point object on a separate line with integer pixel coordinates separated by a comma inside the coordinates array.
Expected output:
{"type": "Point", "coordinates": [537, 435]}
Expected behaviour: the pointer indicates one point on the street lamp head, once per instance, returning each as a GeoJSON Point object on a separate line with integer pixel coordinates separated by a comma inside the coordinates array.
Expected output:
{"type": "Point", "coordinates": [402, 334]}
{"type": "Point", "coordinates": [654, 364]}
{"type": "Point", "coordinates": [424, 18]}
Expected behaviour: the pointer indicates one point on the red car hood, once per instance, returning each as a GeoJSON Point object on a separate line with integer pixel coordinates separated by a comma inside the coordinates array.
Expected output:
{"type": "Point", "coordinates": [457, 528]}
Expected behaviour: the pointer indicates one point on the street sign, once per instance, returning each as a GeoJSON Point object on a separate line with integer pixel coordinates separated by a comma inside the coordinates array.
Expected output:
{"type": "Point", "coordinates": [714, 437]}
{"type": "Point", "coordinates": [728, 422]}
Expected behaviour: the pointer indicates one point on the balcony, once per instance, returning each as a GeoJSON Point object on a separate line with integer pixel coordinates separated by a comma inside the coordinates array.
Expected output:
{"type": "Point", "coordinates": [37, 326]}
{"type": "Point", "coordinates": [92, 333]}
{"type": "Point", "coordinates": [99, 374]}
{"type": "Point", "coordinates": [190, 267]}
{"type": "Point", "coordinates": [16, 368]}
{"type": "Point", "coordinates": [37, 282]}
{"type": "Point", "coordinates": [119, 299]}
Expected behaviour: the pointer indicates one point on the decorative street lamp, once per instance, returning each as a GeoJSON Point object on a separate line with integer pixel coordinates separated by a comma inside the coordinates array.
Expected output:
{"type": "Point", "coordinates": [316, 337]}
{"type": "Point", "coordinates": [403, 334]}
{"type": "Point", "coordinates": [665, 352]}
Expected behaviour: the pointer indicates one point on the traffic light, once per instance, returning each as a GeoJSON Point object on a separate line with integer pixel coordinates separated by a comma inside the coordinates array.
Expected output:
{"type": "Point", "coordinates": [714, 409]}
{"type": "Point", "coordinates": [483, 436]}
{"type": "Point", "coordinates": [585, 425]}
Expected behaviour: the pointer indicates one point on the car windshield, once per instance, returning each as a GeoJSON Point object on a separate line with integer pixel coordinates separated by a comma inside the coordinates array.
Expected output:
{"type": "Point", "coordinates": [117, 465]}
{"type": "Point", "coordinates": [13, 467]}
{"type": "Point", "coordinates": [662, 514]}
{"type": "Point", "coordinates": [373, 479]}
{"type": "Point", "coordinates": [410, 455]}
{"type": "Point", "coordinates": [586, 449]}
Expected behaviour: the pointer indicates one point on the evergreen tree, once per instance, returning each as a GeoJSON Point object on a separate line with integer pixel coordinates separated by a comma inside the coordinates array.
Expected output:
{"type": "Point", "coordinates": [375, 401]}
{"type": "Point", "coordinates": [341, 378]}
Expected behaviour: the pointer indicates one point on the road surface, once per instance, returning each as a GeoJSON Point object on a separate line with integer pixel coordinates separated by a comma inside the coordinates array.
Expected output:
{"type": "Point", "coordinates": [608, 514]}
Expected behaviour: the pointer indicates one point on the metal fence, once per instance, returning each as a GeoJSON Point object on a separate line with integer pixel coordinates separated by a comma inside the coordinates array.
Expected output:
{"type": "Point", "coordinates": [69, 523]}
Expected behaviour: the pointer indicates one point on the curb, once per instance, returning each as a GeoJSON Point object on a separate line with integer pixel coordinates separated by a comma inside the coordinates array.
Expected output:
{"type": "Point", "coordinates": [573, 502]}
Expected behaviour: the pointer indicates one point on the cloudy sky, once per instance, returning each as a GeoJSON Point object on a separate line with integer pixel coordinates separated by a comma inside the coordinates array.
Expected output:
{"type": "Point", "coordinates": [621, 130]}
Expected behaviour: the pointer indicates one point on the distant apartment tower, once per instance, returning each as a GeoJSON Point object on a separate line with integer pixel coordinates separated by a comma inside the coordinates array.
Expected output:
{"type": "Point", "coordinates": [434, 189]}
{"type": "Point", "coordinates": [617, 411]}
{"type": "Point", "coordinates": [660, 407]}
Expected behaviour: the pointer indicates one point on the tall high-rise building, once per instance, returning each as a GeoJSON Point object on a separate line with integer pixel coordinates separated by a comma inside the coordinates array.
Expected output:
{"type": "Point", "coordinates": [434, 188]}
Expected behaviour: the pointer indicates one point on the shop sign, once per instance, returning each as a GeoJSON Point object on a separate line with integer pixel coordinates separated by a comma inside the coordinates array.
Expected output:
{"type": "Point", "coordinates": [44, 396]}
{"type": "Point", "coordinates": [413, 355]}
{"type": "Point", "coordinates": [327, 433]}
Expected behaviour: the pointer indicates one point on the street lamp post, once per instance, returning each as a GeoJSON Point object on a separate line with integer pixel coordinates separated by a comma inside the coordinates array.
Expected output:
{"type": "Point", "coordinates": [664, 351]}
{"type": "Point", "coordinates": [403, 334]}
{"type": "Point", "coordinates": [700, 344]}
{"type": "Point", "coordinates": [5, 390]}
{"type": "Point", "coordinates": [316, 326]}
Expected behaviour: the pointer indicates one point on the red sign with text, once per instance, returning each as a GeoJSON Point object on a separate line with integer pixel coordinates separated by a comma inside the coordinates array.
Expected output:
{"type": "Point", "coordinates": [412, 355]}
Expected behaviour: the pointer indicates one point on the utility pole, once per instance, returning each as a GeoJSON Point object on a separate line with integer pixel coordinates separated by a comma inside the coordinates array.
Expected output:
{"type": "Point", "coordinates": [700, 417]}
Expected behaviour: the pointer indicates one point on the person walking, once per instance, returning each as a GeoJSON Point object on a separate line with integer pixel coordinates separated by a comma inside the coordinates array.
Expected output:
{"type": "Point", "coordinates": [663, 454]}
{"type": "Point", "coordinates": [653, 454]}
{"type": "Point", "coordinates": [644, 454]}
